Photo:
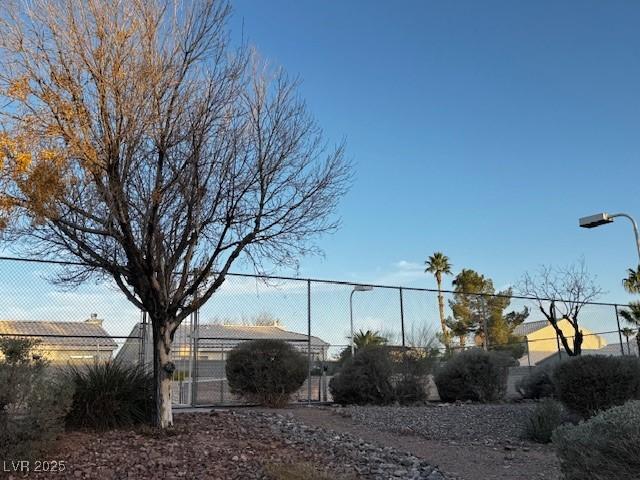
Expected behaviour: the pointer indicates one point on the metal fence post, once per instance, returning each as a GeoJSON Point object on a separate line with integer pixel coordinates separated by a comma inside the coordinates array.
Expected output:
{"type": "Point", "coordinates": [195, 337]}
{"type": "Point", "coordinates": [223, 374]}
{"type": "Point", "coordinates": [402, 316]}
{"type": "Point", "coordinates": [309, 341]}
{"type": "Point", "coordinates": [485, 326]}
{"type": "Point", "coordinates": [142, 360]}
{"type": "Point", "coordinates": [619, 331]}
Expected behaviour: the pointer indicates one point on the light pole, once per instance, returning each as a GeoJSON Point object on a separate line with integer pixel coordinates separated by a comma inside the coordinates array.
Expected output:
{"type": "Point", "coordinates": [356, 288]}
{"type": "Point", "coordinates": [598, 219]}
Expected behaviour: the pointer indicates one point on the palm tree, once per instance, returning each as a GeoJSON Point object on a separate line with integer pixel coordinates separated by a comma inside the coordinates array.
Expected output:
{"type": "Point", "coordinates": [628, 332]}
{"type": "Point", "coordinates": [632, 283]}
{"type": "Point", "coordinates": [438, 264]}
{"type": "Point", "coordinates": [632, 316]}
{"type": "Point", "coordinates": [368, 339]}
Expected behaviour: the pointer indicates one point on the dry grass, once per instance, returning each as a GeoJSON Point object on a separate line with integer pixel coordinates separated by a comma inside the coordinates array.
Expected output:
{"type": "Point", "coordinates": [300, 471]}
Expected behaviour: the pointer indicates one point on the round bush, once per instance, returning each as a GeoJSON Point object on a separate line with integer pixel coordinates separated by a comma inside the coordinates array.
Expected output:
{"type": "Point", "coordinates": [473, 375]}
{"type": "Point", "coordinates": [364, 379]}
{"type": "Point", "coordinates": [266, 371]}
{"type": "Point", "coordinates": [591, 383]}
{"type": "Point", "coordinates": [109, 395]}
{"type": "Point", "coordinates": [605, 447]}
{"type": "Point", "coordinates": [537, 384]}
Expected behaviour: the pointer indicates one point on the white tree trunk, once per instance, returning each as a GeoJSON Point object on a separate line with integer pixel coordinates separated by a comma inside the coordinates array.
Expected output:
{"type": "Point", "coordinates": [162, 349]}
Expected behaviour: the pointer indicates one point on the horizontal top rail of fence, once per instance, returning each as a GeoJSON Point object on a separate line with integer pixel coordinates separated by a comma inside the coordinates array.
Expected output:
{"type": "Point", "coordinates": [342, 282]}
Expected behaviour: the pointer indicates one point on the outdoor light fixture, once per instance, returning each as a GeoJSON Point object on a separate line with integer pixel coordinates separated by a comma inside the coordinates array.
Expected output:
{"type": "Point", "coordinates": [356, 288]}
{"type": "Point", "coordinates": [603, 218]}
{"type": "Point", "coordinates": [594, 221]}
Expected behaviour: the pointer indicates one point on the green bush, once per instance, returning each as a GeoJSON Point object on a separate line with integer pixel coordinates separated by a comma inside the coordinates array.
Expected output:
{"type": "Point", "coordinates": [537, 384]}
{"type": "Point", "coordinates": [33, 401]}
{"type": "Point", "coordinates": [110, 394]}
{"type": "Point", "coordinates": [364, 379]}
{"type": "Point", "coordinates": [605, 447]}
{"type": "Point", "coordinates": [473, 375]}
{"type": "Point", "coordinates": [266, 371]}
{"type": "Point", "coordinates": [545, 418]}
{"type": "Point", "coordinates": [591, 383]}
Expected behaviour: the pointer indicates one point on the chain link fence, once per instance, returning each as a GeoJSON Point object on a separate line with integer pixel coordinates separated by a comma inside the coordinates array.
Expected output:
{"type": "Point", "coordinates": [95, 322]}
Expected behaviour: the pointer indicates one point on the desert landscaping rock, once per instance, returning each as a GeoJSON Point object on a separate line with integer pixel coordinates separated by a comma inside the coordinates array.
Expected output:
{"type": "Point", "coordinates": [368, 460]}
{"type": "Point", "coordinates": [229, 445]}
{"type": "Point", "coordinates": [468, 442]}
{"type": "Point", "coordinates": [457, 424]}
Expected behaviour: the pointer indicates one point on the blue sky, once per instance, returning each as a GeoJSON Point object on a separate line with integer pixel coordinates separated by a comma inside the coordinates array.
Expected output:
{"type": "Point", "coordinates": [482, 129]}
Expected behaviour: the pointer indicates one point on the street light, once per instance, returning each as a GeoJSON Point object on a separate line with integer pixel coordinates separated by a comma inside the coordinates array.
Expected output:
{"type": "Point", "coordinates": [356, 288]}
{"type": "Point", "coordinates": [598, 219]}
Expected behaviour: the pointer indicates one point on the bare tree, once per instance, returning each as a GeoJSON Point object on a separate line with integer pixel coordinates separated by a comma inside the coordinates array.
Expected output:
{"type": "Point", "coordinates": [561, 293]}
{"type": "Point", "coordinates": [139, 145]}
{"type": "Point", "coordinates": [262, 319]}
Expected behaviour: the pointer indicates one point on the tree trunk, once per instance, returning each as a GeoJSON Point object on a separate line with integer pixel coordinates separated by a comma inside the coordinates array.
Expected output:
{"type": "Point", "coordinates": [162, 373]}
{"type": "Point", "coordinates": [463, 341]}
{"type": "Point", "coordinates": [577, 343]}
{"type": "Point", "coordinates": [445, 333]}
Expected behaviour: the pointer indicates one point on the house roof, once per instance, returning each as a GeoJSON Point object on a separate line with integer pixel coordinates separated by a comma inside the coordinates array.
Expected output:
{"type": "Point", "coordinates": [215, 337]}
{"type": "Point", "coordinates": [214, 333]}
{"type": "Point", "coordinates": [614, 349]}
{"type": "Point", "coordinates": [528, 328]}
{"type": "Point", "coordinates": [66, 335]}
{"type": "Point", "coordinates": [611, 349]}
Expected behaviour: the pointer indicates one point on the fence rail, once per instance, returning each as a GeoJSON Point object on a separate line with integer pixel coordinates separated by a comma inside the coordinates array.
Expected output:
{"type": "Point", "coordinates": [96, 321]}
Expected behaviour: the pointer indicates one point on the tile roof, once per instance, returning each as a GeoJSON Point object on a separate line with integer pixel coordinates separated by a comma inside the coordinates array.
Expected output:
{"type": "Point", "coordinates": [215, 337]}
{"type": "Point", "coordinates": [60, 334]}
{"type": "Point", "coordinates": [614, 349]}
{"type": "Point", "coordinates": [529, 327]}
{"type": "Point", "coordinates": [213, 333]}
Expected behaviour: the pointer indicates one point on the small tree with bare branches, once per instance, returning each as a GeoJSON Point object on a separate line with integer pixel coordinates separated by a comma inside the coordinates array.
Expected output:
{"type": "Point", "coordinates": [561, 293]}
{"type": "Point", "coordinates": [137, 144]}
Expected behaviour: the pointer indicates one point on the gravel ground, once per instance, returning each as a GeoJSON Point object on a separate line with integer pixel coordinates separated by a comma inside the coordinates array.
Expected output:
{"type": "Point", "coordinates": [466, 442]}
{"type": "Point", "coordinates": [464, 424]}
{"type": "Point", "coordinates": [229, 445]}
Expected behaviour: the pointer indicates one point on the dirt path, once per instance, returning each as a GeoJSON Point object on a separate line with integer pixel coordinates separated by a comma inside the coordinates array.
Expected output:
{"type": "Point", "coordinates": [458, 462]}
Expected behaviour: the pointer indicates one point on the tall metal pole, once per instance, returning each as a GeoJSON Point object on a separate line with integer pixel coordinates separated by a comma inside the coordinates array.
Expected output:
{"type": "Point", "coordinates": [635, 229]}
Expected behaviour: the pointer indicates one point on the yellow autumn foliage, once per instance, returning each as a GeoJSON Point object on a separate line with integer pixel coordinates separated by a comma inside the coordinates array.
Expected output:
{"type": "Point", "coordinates": [22, 162]}
{"type": "Point", "coordinates": [19, 89]}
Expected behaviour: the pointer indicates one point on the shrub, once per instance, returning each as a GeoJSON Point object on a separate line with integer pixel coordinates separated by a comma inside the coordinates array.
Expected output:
{"type": "Point", "coordinates": [110, 394]}
{"type": "Point", "coordinates": [591, 383]}
{"type": "Point", "coordinates": [266, 371]}
{"type": "Point", "coordinates": [411, 369]}
{"type": "Point", "coordinates": [538, 384]}
{"type": "Point", "coordinates": [473, 375]}
{"type": "Point", "coordinates": [410, 389]}
{"type": "Point", "coordinates": [33, 401]}
{"type": "Point", "coordinates": [364, 379]}
{"type": "Point", "coordinates": [604, 447]}
{"type": "Point", "coordinates": [545, 418]}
